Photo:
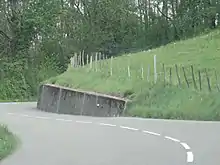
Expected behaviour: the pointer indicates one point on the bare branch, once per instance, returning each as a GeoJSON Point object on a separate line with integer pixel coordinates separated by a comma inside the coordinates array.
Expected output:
{"type": "Point", "coordinates": [4, 35]}
{"type": "Point", "coordinates": [166, 16]}
{"type": "Point", "coordinates": [78, 8]}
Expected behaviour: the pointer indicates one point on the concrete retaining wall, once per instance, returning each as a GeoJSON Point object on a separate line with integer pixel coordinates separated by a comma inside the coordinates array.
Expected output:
{"type": "Point", "coordinates": [57, 99]}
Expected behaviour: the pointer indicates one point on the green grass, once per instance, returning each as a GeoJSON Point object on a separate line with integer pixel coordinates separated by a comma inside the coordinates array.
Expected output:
{"type": "Point", "coordinates": [7, 142]}
{"type": "Point", "coordinates": [157, 101]}
{"type": "Point", "coordinates": [31, 99]}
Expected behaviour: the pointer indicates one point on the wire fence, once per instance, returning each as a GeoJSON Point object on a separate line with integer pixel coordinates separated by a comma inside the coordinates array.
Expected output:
{"type": "Point", "coordinates": [178, 75]}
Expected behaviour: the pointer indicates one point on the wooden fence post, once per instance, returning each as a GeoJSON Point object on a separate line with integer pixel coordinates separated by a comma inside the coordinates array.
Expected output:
{"type": "Point", "coordinates": [100, 60]}
{"type": "Point", "coordinates": [148, 73]}
{"type": "Point", "coordinates": [76, 60]}
{"type": "Point", "coordinates": [216, 78]}
{"type": "Point", "coordinates": [83, 58]}
{"type": "Point", "coordinates": [129, 73]}
{"type": "Point", "coordinates": [177, 74]}
{"type": "Point", "coordinates": [80, 60]}
{"type": "Point", "coordinates": [200, 80]}
{"type": "Point", "coordinates": [170, 75]}
{"type": "Point", "coordinates": [91, 61]}
{"type": "Point", "coordinates": [164, 74]}
{"type": "Point", "coordinates": [96, 61]}
{"type": "Point", "coordinates": [155, 69]}
{"type": "Point", "coordinates": [193, 77]}
{"type": "Point", "coordinates": [103, 58]}
{"type": "Point", "coordinates": [208, 80]}
{"type": "Point", "coordinates": [111, 63]}
{"type": "Point", "coordinates": [184, 73]}
{"type": "Point", "coordinates": [142, 71]}
{"type": "Point", "coordinates": [87, 59]}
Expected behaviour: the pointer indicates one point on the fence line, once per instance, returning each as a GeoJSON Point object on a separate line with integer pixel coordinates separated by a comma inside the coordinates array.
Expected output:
{"type": "Point", "coordinates": [168, 75]}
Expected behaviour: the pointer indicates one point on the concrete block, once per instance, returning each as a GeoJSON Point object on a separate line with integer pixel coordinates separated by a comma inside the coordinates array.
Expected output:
{"type": "Point", "coordinates": [58, 99]}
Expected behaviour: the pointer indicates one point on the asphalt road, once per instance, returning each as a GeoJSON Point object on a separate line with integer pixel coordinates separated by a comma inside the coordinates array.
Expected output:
{"type": "Point", "coordinates": [52, 139]}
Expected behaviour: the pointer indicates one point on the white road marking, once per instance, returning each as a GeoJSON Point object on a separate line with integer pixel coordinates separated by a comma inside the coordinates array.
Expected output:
{"type": "Point", "coordinates": [185, 146]}
{"type": "Point", "coordinates": [8, 103]}
{"type": "Point", "coordinates": [42, 117]}
{"type": "Point", "coordinates": [11, 114]}
{"type": "Point", "coordinates": [111, 125]}
{"type": "Point", "coordinates": [16, 102]}
{"type": "Point", "coordinates": [24, 115]}
{"type": "Point", "coordinates": [164, 120]}
{"type": "Point", "coordinates": [66, 120]}
{"type": "Point", "coordinates": [173, 139]}
{"type": "Point", "coordinates": [190, 157]}
{"type": "Point", "coordinates": [84, 122]}
{"type": "Point", "coordinates": [129, 128]}
{"type": "Point", "coordinates": [152, 133]}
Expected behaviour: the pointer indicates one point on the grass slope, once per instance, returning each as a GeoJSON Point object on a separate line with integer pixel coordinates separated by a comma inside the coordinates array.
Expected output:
{"type": "Point", "coordinates": [7, 142]}
{"type": "Point", "coordinates": [157, 101]}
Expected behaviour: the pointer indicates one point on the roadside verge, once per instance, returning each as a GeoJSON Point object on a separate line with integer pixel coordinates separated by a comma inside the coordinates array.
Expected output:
{"type": "Point", "coordinates": [8, 142]}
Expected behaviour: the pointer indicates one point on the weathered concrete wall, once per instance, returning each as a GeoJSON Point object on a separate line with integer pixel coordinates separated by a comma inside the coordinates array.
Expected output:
{"type": "Point", "coordinates": [64, 100]}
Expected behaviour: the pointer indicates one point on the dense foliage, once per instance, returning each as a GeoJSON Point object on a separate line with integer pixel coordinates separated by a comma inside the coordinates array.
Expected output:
{"type": "Point", "coordinates": [37, 37]}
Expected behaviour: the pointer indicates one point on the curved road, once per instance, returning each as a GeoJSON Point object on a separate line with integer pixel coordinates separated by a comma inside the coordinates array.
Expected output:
{"type": "Point", "coordinates": [52, 139]}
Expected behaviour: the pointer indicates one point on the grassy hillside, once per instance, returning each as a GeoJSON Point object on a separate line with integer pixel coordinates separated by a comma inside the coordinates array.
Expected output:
{"type": "Point", "coordinates": [160, 100]}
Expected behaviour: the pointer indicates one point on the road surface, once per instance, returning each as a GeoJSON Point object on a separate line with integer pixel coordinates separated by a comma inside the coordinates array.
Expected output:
{"type": "Point", "coordinates": [52, 139]}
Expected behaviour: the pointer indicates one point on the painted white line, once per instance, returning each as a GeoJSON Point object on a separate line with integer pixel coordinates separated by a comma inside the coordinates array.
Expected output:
{"type": "Point", "coordinates": [11, 114]}
{"type": "Point", "coordinates": [111, 125]}
{"type": "Point", "coordinates": [190, 157]}
{"type": "Point", "coordinates": [84, 122]}
{"type": "Point", "coordinates": [129, 128]}
{"type": "Point", "coordinates": [185, 146]}
{"type": "Point", "coordinates": [152, 133]}
{"type": "Point", "coordinates": [16, 102]}
{"type": "Point", "coordinates": [42, 117]}
{"type": "Point", "coordinates": [26, 115]}
{"type": "Point", "coordinates": [8, 103]}
{"type": "Point", "coordinates": [165, 120]}
{"type": "Point", "coordinates": [66, 120]}
{"type": "Point", "coordinates": [173, 139]}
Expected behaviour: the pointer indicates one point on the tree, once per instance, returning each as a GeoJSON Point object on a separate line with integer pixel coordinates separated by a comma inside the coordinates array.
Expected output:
{"type": "Point", "coordinates": [37, 37]}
